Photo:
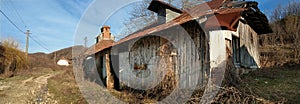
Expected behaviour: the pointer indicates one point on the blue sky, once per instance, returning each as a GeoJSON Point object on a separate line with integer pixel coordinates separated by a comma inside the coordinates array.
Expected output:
{"type": "Point", "coordinates": [58, 24]}
{"type": "Point", "coordinates": [52, 22]}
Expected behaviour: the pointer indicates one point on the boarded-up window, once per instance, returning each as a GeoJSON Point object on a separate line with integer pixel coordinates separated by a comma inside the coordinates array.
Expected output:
{"type": "Point", "coordinates": [103, 66]}
{"type": "Point", "coordinates": [236, 50]}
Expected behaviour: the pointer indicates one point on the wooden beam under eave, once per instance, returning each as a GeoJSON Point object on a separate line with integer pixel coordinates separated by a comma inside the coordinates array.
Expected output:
{"type": "Point", "coordinates": [109, 74]}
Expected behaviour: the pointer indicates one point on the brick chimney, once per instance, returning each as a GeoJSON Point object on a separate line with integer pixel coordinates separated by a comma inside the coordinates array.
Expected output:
{"type": "Point", "coordinates": [105, 34]}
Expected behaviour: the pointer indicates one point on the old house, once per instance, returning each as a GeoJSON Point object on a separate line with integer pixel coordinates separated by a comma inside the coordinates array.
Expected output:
{"type": "Point", "coordinates": [185, 44]}
{"type": "Point", "coordinates": [96, 64]}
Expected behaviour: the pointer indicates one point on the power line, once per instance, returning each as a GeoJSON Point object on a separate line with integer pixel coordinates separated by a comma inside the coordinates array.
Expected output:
{"type": "Point", "coordinates": [18, 14]}
{"type": "Point", "coordinates": [11, 21]}
{"type": "Point", "coordinates": [22, 31]}
{"type": "Point", "coordinates": [9, 8]}
{"type": "Point", "coordinates": [12, 13]}
{"type": "Point", "coordinates": [39, 43]}
{"type": "Point", "coordinates": [40, 40]}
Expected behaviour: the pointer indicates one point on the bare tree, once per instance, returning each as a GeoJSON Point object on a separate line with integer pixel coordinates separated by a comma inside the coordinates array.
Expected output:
{"type": "Point", "coordinates": [142, 17]}
{"type": "Point", "coordinates": [286, 26]}
{"type": "Point", "coordinates": [190, 3]}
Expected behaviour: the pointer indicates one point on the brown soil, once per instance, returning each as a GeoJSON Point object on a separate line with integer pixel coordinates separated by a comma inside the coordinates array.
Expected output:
{"type": "Point", "coordinates": [27, 89]}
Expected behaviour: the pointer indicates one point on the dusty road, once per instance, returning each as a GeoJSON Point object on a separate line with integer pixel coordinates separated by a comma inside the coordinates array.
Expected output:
{"type": "Point", "coordinates": [27, 89]}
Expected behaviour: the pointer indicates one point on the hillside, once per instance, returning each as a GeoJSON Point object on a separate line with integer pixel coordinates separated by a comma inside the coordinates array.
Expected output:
{"type": "Point", "coordinates": [42, 82]}
{"type": "Point", "coordinates": [66, 52]}
{"type": "Point", "coordinates": [48, 60]}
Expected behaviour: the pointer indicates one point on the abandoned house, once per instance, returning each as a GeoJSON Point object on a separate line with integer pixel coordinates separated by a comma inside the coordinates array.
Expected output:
{"type": "Point", "coordinates": [188, 43]}
{"type": "Point", "coordinates": [97, 56]}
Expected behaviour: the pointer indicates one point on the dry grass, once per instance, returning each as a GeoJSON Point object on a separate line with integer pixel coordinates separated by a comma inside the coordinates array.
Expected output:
{"type": "Point", "coordinates": [277, 56]}
{"type": "Point", "coordinates": [41, 60]}
{"type": "Point", "coordinates": [274, 84]}
{"type": "Point", "coordinates": [269, 85]}
{"type": "Point", "coordinates": [264, 86]}
{"type": "Point", "coordinates": [153, 95]}
{"type": "Point", "coordinates": [65, 88]}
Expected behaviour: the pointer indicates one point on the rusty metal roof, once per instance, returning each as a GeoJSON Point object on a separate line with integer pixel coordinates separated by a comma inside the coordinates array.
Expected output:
{"type": "Point", "coordinates": [226, 17]}
{"type": "Point", "coordinates": [101, 45]}
{"type": "Point", "coordinates": [187, 15]}
{"type": "Point", "coordinates": [257, 21]}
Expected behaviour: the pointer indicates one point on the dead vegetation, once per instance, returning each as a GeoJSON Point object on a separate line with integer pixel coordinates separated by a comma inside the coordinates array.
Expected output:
{"type": "Point", "coordinates": [153, 95]}
{"type": "Point", "coordinates": [282, 46]}
{"type": "Point", "coordinates": [14, 60]}
{"type": "Point", "coordinates": [60, 87]}
{"type": "Point", "coordinates": [275, 84]}
{"type": "Point", "coordinates": [232, 95]}
{"type": "Point", "coordinates": [65, 89]}
{"type": "Point", "coordinates": [263, 86]}
{"type": "Point", "coordinates": [229, 91]}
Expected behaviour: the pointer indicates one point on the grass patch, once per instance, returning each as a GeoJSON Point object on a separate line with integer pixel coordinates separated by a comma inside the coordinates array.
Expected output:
{"type": "Point", "coordinates": [275, 84]}
{"type": "Point", "coordinates": [64, 88]}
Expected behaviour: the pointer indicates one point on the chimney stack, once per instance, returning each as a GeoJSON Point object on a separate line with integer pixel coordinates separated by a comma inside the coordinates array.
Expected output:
{"type": "Point", "coordinates": [105, 30]}
{"type": "Point", "coordinates": [105, 34]}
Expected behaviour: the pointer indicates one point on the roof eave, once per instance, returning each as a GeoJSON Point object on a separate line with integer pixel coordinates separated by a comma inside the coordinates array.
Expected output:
{"type": "Point", "coordinates": [157, 3]}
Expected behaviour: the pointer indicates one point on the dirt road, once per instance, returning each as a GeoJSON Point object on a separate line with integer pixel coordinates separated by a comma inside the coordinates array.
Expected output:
{"type": "Point", "coordinates": [27, 89]}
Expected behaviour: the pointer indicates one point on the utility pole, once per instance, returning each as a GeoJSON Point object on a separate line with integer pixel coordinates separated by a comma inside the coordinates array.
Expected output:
{"type": "Point", "coordinates": [54, 59]}
{"type": "Point", "coordinates": [27, 41]}
{"type": "Point", "coordinates": [85, 41]}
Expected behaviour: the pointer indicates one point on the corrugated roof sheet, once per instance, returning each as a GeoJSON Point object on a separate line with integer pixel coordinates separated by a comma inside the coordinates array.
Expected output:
{"type": "Point", "coordinates": [101, 45]}
{"type": "Point", "coordinates": [226, 17]}
{"type": "Point", "coordinates": [187, 15]}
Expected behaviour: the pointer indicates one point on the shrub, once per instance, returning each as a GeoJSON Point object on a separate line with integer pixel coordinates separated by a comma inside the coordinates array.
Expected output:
{"type": "Point", "coordinates": [14, 59]}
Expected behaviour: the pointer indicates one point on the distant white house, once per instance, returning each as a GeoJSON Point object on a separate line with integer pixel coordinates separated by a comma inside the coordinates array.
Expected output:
{"type": "Point", "coordinates": [63, 62]}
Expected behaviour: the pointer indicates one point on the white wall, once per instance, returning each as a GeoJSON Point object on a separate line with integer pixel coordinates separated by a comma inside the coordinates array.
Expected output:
{"type": "Point", "coordinates": [63, 62]}
{"type": "Point", "coordinates": [248, 46]}
{"type": "Point", "coordinates": [217, 46]}
{"type": "Point", "coordinates": [170, 15]}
